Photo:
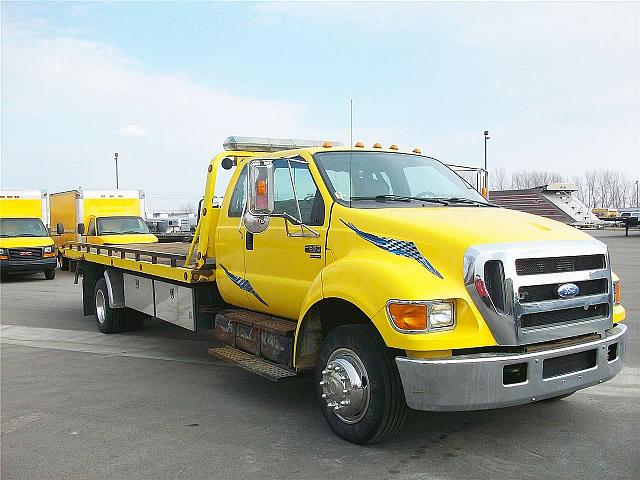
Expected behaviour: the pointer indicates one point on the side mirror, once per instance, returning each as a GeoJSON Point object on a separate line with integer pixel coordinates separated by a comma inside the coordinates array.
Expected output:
{"type": "Point", "coordinates": [81, 229]}
{"type": "Point", "coordinates": [59, 228]}
{"type": "Point", "coordinates": [261, 188]}
{"type": "Point", "coordinates": [260, 196]}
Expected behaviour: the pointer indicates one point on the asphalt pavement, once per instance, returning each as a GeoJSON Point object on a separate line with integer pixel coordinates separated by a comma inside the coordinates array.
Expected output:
{"type": "Point", "coordinates": [76, 404]}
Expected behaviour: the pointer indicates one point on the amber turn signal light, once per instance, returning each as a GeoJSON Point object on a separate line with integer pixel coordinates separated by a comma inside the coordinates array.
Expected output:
{"type": "Point", "coordinates": [408, 316]}
{"type": "Point", "coordinates": [617, 293]}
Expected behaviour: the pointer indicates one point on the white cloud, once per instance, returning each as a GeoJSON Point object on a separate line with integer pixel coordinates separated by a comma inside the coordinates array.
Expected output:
{"type": "Point", "coordinates": [63, 100]}
{"type": "Point", "coordinates": [133, 131]}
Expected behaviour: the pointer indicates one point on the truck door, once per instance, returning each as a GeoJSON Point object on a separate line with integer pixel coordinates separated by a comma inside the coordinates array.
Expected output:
{"type": "Point", "coordinates": [230, 245]}
{"type": "Point", "coordinates": [90, 233]}
{"type": "Point", "coordinates": [279, 267]}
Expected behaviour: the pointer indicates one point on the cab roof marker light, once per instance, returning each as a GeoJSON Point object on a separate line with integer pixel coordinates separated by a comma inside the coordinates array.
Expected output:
{"type": "Point", "coordinates": [417, 150]}
{"type": "Point", "coordinates": [377, 145]}
{"type": "Point", "coordinates": [393, 147]}
{"type": "Point", "coordinates": [264, 144]}
{"type": "Point", "coordinates": [359, 145]}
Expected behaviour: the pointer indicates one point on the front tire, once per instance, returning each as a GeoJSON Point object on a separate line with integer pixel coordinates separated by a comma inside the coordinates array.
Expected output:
{"type": "Point", "coordinates": [50, 274]}
{"type": "Point", "coordinates": [358, 385]}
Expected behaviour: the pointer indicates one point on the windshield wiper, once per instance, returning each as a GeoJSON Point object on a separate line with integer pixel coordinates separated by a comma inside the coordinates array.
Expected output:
{"type": "Point", "coordinates": [30, 235]}
{"type": "Point", "coordinates": [467, 201]}
{"type": "Point", "coordinates": [402, 198]}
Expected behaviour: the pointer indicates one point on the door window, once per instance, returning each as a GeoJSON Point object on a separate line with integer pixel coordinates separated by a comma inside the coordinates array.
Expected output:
{"type": "Point", "coordinates": [309, 198]}
{"type": "Point", "coordinates": [239, 195]}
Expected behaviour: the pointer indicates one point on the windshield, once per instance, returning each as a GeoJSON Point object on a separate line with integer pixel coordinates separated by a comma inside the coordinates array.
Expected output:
{"type": "Point", "coordinates": [121, 225]}
{"type": "Point", "coordinates": [366, 179]}
{"type": "Point", "coordinates": [22, 227]}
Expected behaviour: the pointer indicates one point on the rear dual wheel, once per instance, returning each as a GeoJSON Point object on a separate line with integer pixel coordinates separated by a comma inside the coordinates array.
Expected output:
{"type": "Point", "coordinates": [114, 320]}
{"type": "Point", "coordinates": [358, 385]}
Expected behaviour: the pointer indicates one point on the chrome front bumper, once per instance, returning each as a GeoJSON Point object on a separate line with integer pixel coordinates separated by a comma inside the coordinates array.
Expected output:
{"type": "Point", "coordinates": [476, 382]}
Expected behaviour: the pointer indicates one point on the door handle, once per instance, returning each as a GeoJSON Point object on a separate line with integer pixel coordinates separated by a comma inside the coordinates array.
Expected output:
{"type": "Point", "coordinates": [249, 240]}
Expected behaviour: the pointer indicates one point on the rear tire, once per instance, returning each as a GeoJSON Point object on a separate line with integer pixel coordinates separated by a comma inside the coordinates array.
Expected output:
{"type": "Point", "coordinates": [375, 409]}
{"type": "Point", "coordinates": [109, 320]}
{"type": "Point", "coordinates": [50, 274]}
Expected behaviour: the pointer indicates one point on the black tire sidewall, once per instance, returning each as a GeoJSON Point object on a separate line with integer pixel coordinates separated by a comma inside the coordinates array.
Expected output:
{"type": "Point", "coordinates": [110, 324]}
{"type": "Point", "coordinates": [364, 341]}
{"type": "Point", "coordinates": [50, 274]}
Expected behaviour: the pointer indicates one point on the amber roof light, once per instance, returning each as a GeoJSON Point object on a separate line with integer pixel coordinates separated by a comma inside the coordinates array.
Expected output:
{"type": "Point", "coordinates": [359, 145]}
{"type": "Point", "coordinates": [377, 145]}
{"type": "Point", "coordinates": [393, 147]}
{"type": "Point", "coordinates": [417, 150]}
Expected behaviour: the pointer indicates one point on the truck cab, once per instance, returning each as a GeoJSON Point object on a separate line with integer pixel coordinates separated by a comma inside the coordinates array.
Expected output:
{"type": "Point", "coordinates": [25, 244]}
{"type": "Point", "coordinates": [118, 229]}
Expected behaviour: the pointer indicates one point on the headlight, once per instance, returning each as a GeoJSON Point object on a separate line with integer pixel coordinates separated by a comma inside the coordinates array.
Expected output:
{"type": "Point", "coordinates": [2, 251]}
{"type": "Point", "coordinates": [48, 249]}
{"type": "Point", "coordinates": [617, 294]}
{"type": "Point", "coordinates": [419, 317]}
{"type": "Point", "coordinates": [441, 315]}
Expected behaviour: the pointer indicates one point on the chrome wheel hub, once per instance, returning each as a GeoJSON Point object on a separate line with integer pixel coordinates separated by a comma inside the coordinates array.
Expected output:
{"type": "Point", "coordinates": [101, 306]}
{"type": "Point", "coordinates": [345, 385]}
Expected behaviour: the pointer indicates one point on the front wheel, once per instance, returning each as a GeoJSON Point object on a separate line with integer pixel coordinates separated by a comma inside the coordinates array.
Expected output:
{"type": "Point", "coordinates": [50, 274]}
{"type": "Point", "coordinates": [358, 385]}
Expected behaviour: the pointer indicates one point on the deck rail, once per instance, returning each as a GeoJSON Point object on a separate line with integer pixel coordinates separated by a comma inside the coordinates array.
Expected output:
{"type": "Point", "coordinates": [119, 251]}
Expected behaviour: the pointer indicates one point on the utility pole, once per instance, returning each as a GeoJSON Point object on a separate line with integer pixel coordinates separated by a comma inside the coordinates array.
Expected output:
{"type": "Point", "coordinates": [637, 204]}
{"type": "Point", "coordinates": [485, 189]}
{"type": "Point", "coordinates": [116, 170]}
{"type": "Point", "coordinates": [486, 137]}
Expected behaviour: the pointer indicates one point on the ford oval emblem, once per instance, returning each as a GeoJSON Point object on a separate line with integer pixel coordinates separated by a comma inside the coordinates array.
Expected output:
{"type": "Point", "coordinates": [568, 290]}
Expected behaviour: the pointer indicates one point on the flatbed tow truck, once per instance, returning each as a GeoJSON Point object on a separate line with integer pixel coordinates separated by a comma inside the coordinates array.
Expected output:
{"type": "Point", "coordinates": [383, 273]}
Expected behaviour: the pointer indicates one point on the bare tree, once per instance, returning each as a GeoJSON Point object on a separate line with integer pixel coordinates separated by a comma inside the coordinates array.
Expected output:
{"type": "Point", "coordinates": [591, 179]}
{"type": "Point", "coordinates": [497, 179]}
{"type": "Point", "coordinates": [535, 178]}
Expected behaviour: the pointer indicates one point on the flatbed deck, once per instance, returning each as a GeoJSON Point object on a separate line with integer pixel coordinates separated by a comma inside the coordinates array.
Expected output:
{"type": "Point", "coordinates": [166, 260]}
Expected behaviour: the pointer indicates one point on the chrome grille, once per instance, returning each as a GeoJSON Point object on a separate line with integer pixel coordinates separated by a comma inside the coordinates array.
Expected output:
{"type": "Point", "coordinates": [522, 279]}
{"type": "Point", "coordinates": [537, 266]}
{"type": "Point", "coordinates": [539, 293]}
{"type": "Point", "coordinates": [553, 317]}
{"type": "Point", "coordinates": [26, 253]}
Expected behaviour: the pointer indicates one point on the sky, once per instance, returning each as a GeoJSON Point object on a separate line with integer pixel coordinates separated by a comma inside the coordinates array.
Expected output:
{"type": "Point", "coordinates": [556, 84]}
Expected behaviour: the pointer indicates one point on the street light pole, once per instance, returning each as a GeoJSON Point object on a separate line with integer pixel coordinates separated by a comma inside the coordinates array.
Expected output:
{"type": "Point", "coordinates": [116, 170]}
{"type": "Point", "coordinates": [485, 188]}
{"type": "Point", "coordinates": [637, 204]}
{"type": "Point", "coordinates": [486, 137]}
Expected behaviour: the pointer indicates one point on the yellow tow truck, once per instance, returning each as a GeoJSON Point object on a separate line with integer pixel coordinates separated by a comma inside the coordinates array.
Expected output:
{"type": "Point", "coordinates": [384, 274]}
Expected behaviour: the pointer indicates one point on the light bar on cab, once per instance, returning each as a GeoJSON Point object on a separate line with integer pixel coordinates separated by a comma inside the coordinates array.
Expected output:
{"type": "Point", "coordinates": [261, 144]}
